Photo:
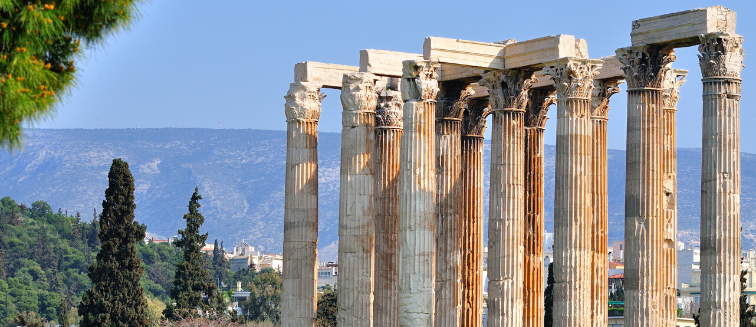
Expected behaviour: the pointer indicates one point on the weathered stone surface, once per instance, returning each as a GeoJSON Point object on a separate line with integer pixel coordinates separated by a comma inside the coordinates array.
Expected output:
{"type": "Point", "coordinates": [602, 91]}
{"type": "Point", "coordinates": [385, 63]}
{"type": "Point", "coordinates": [356, 207]}
{"type": "Point", "coordinates": [535, 122]}
{"type": "Point", "coordinates": [417, 195]}
{"type": "Point", "coordinates": [645, 70]}
{"type": "Point", "coordinates": [573, 79]}
{"type": "Point", "coordinates": [388, 136]}
{"type": "Point", "coordinates": [537, 51]}
{"type": "Point", "coordinates": [300, 247]}
{"type": "Point", "coordinates": [681, 29]}
{"type": "Point", "coordinates": [326, 75]}
{"type": "Point", "coordinates": [508, 96]}
{"type": "Point", "coordinates": [473, 127]}
{"type": "Point", "coordinates": [721, 61]}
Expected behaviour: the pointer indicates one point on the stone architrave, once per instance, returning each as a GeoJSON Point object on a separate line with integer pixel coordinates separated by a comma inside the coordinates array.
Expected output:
{"type": "Point", "coordinates": [535, 125]}
{"type": "Point", "coordinates": [300, 249]}
{"type": "Point", "coordinates": [670, 95]}
{"type": "Point", "coordinates": [449, 108]}
{"type": "Point", "coordinates": [721, 62]}
{"type": "Point", "coordinates": [473, 127]}
{"type": "Point", "coordinates": [356, 207]}
{"type": "Point", "coordinates": [508, 95]}
{"type": "Point", "coordinates": [417, 195]}
{"type": "Point", "coordinates": [388, 136]}
{"type": "Point", "coordinates": [645, 69]}
{"type": "Point", "coordinates": [573, 79]}
{"type": "Point", "coordinates": [602, 91]}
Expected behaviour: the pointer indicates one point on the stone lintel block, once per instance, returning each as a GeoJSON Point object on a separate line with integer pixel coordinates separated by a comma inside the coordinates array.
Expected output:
{"type": "Point", "coordinates": [681, 29]}
{"type": "Point", "coordinates": [328, 75]}
{"type": "Point", "coordinates": [385, 63]}
{"type": "Point", "coordinates": [463, 52]}
{"type": "Point", "coordinates": [533, 53]}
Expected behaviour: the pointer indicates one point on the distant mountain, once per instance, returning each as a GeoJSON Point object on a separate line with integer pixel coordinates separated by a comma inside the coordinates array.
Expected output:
{"type": "Point", "coordinates": [240, 174]}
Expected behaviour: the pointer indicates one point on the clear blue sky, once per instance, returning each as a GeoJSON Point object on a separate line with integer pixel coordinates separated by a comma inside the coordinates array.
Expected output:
{"type": "Point", "coordinates": [232, 61]}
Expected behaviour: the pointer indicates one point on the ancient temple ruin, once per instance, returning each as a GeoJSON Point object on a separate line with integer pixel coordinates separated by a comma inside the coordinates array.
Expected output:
{"type": "Point", "coordinates": [411, 188]}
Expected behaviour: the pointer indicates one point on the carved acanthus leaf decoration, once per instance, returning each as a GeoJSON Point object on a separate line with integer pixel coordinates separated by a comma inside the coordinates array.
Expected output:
{"type": "Point", "coordinates": [573, 78]}
{"type": "Point", "coordinates": [645, 65]}
{"type": "Point", "coordinates": [474, 118]}
{"type": "Point", "coordinates": [602, 91]}
{"type": "Point", "coordinates": [508, 90]}
{"type": "Point", "coordinates": [452, 106]}
{"type": "Point", "coordinates": [538, 107]}
{"type": "Point", "coordinates": [671, 87]}
{"type": "Point", "coordinates": [721, 55]}
{"type": "Point", "coordinates": [358, 92]}
{"type": "Point", "coordinates": [303, 101]}
{"type": "Point", "coordinates": [419, 80]}
{"type": "Point", "coordinates": [389, 112]}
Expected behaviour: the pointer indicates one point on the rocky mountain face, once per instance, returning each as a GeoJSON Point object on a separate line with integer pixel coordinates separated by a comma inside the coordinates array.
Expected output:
{"type": "Point", "coordinates": [240, 174]}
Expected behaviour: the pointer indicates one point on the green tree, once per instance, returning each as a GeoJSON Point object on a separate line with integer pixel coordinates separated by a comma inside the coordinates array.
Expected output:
{"type": "Point", "coordinates": [29, 319]}
{"type": "Point", "coordinates": [219, 263]}
{"type": "Point", "coordinates": [63, 319]}
{"type": "Point", "coordinates": [93, 239]}
{"type": "Point", "coordinates": [747, 314]}
{"type": "Point", "coordinates": [191, 279]}
{"type": "Point", "coordinates": [39, 42]}
{"type": "Point", "coordinates": [116, 297]}
{"type": "Point", "coordinates": [327, 308]}
{"type": "Point", "coordinates": [264, 302]}
{"type": "Point", "coordinates": [43, 251]}
{"type": "Point", "coordinates": [548, 298]}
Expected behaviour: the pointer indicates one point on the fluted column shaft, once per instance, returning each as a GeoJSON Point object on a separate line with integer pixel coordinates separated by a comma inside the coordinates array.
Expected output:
{"type": "Point", "coordinates": [356, 208]}
{"type": "Point", "coordinates": [645, 68]}
{"type": "Point", "coordinates": [300, 248]}
{"type": "Point", "coordinates": [388, 136]}
{"type": "Point", "coordinates": [473, 126]}
{"type": "Point", "coordinates": [573, 79]}
{"type": "Point", "coordinates": [417, 195]}
{"type": "Point", "coordinates": [508, 94]}
{"type": "Point", "coordinates": [721, 61]}
{"type": "Point", "coordinates": [535, 122]}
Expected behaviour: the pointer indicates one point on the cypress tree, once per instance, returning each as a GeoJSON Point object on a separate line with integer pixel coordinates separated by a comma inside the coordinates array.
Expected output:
{"type": "Point", "coordinates": [548, 298]}
{"type": "Point", "coordinates": [219, 263]}
{"type": "Point", "coordinates": [191, 279]}
{"type": "Point", "coordinates": [63, 314]}
{"type": "Point", "coordinates": [747, 314]}
{"type": "Point", "coordinates": [116, 297]}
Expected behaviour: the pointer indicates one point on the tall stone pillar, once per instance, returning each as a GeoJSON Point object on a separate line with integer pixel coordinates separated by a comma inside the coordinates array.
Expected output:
{"type": "Point", "coordinates": [670, 95]}
{"type": "Point", "coordinates": [473, 127]}
{"type": "Point", "coordinates": [356, 208]}
{"type": "Point", "coordinates": [535, 124]}
{"type": "Point", "coordinates": [645, 68]}
{"type": "Point", "coordinates": [573, 79]}
{"type": "Point", "coordinates": [417, 195]}
{"type": "Point", "coordinates": [388, 136]}
{"type": "Point", "coordinates": [451, 103]}
{"type": "Point", "coordinates": [508, 95]}
{"type": "Point", "coordinates": [602, 91]}
{"type": "Point", "coordinates": [300, 249]}
{"type": "Point", "coordinates": [721, 61]}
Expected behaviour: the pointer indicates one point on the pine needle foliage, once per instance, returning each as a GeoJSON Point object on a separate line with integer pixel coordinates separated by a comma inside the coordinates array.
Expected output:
{"type": "Point", "coordinates": [39, 43]}
{"type": "Point", "coordinates": [116, 298]}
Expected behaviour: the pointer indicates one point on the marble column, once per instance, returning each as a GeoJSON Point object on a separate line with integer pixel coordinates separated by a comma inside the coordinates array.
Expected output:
{"type": "Point", "coordinates": [645, 68]}
{"type": "Point", "coordinates": [573, 79]}
{"type": "Point", "coordinates": [356, 207]}
{"type": "Point", "coordinates": [721, 62]}
{"type": "Point", "coordinates": [602, 91]}
{"type": "Point", "coordinates": [300, 249]}
{"type": "Point", "coordinates": [670, 95]}
{"type": "Point", "coordinates": [388, 136]}
{"type": "Point", "coordinates": [508, 95]}
{"type": "Point", "coordinates": [473, 127]}
{"type": "Point", "coordinates": [535, 124]}
{"type": "Point", "coordinates": [417, 194]}
{"type": "Point", "coordinates": [449, 107]}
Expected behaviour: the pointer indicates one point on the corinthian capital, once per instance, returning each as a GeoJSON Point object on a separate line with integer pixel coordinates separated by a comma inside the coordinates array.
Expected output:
{"type": "Point", "coordinates": [573, 77]}
{"type": "Point", "coordinates": [645, 65]}
{"type": "Point", "coordinates": [538, 107]}
{"type": "Point", "coordinates": [358, 92]}
{"type": "Point", "coordinates": [509, 89]}
{"type": "Point", "coordinates": [602, 91]}
{"type": "Point", "coordinates": [389, 112]}
{"type": "Point", "coordinates": [303, 101]}
{"type": "Point", "coordinates": [721, 55]}
{"type": "Point", "coordinates": [419, 80]}
{"type": "Point", "coordinates": [474, 118]}
{"type": "Point", "coordinates": [671, 87]}
{"type": "Point", "coordinates": [452, 101]}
